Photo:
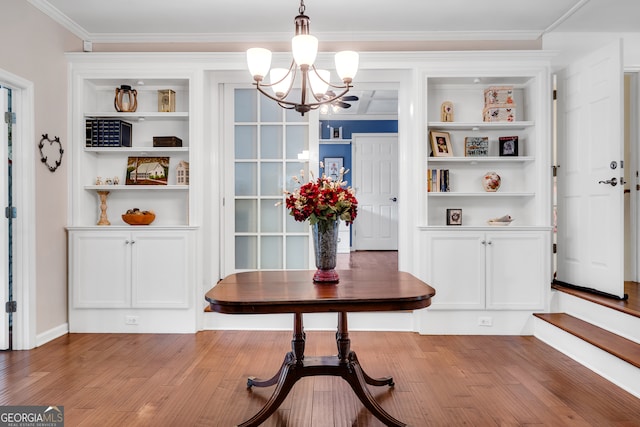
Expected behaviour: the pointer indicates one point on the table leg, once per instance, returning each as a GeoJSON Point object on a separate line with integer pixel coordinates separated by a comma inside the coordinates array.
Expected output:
{"type": "Point", "coordinates": [345, 365]}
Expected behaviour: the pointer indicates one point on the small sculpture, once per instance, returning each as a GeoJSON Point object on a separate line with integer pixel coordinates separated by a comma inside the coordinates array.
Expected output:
{"type": "Point", "coordinates": [446, 111]}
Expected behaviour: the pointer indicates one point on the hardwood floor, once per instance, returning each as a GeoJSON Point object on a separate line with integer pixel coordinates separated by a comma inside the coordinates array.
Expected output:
{"type": "Point", "coordinates": [200, 379]}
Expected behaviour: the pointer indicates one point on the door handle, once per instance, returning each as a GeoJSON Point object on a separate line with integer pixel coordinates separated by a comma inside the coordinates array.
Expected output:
{"type": "Point", "coordinates": [393, 199]}
{"type": "Point", "coordinates": [613, 182]}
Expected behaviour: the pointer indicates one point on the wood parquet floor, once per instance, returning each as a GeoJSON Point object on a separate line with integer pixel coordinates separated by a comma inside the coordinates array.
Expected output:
{"type": "Point", "coordinates": [200, 380]}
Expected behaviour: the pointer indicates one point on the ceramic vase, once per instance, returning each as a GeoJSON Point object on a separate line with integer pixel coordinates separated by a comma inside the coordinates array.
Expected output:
{"type": "Point", "coordinates": [325, 245]}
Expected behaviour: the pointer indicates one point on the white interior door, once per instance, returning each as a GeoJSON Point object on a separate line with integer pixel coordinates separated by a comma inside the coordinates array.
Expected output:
{"type": "Point", "coordinates": [590, 154]}
{"type": "Point", "coordinates": [375, 179]}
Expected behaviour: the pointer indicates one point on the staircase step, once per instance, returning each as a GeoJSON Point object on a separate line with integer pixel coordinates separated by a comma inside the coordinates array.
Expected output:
{"type": "Point", "coordinates": [620, 347]}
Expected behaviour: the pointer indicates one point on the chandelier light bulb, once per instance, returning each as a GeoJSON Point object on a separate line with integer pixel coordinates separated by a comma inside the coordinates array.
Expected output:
{"type": "Point", "coordinates": [319, 82]}
{"type": "Point", "coordinates": [259, 62]}
{"type": "Point", "coordinates": [347, 65]}
{"type": "Point", "coordinates": [280, 80]}
{"type": "Point", "coordinates": [305, 49]}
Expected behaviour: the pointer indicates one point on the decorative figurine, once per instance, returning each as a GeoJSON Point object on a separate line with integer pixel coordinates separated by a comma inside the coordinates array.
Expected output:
{"type": "Point", "coordinates": [446, 111]}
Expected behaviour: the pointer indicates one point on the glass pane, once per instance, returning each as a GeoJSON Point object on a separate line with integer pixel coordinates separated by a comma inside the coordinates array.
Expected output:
{"type": "Point", "coordinates": [294, 226]}
{"type": "Point", "coordinates": [271, 142]}
{"type": "Point", "coordinates": [270, 216]}
{"type": "Point", "coordinates": [270, 111]}
{"type": "Point", "coordinates": [271, 252]}
{"type": "Point", "coordinates": [293, 169]}
{"type": "Point", "coordinates": [297, 141]}
{"type": "Point", "coordinates": [246, 252]}
{"type": "Point", "coordinates": [246, 216]}
{"type": "Point", "coordinates": [246, 142]}
{"type": "Point", "coordinates": [245, 105]}
{"type": "Point", "coordinates": [297, 252]}
{"type": "Point", "coordinates": [246, 179]}
{"type": "Point", "coordinates": [271, 179]}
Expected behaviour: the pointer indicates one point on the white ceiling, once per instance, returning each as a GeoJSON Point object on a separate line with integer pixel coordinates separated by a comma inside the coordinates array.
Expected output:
{"type": "Point", "coordinates": [356, 21]}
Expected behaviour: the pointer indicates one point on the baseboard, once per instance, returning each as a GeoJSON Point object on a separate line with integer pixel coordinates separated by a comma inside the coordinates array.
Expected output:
{"type": "Point", "coordinates": [52, 334]}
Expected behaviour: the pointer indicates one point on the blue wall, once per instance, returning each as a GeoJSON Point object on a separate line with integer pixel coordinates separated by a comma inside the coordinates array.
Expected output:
{"type": "Point", "coordinates": [350, 127]}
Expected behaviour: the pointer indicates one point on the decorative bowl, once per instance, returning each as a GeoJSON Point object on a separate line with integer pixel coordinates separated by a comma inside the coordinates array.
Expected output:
{"type": "Point", "coordinates": [139, 218]}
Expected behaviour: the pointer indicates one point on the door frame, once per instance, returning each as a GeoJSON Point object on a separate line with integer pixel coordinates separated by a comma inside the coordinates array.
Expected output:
{"type": "Point", "coordinates": [24, 292]}
{"type": "Point", "coordinates": [631, 170]}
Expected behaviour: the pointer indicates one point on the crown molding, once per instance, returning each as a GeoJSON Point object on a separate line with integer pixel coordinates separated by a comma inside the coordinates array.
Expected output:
{"type": "Point", "coordinates": [59, 17]}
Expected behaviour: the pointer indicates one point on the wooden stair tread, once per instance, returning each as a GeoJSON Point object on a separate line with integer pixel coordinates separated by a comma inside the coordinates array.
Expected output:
{"type": "Point", "coordinates": [621, 347]}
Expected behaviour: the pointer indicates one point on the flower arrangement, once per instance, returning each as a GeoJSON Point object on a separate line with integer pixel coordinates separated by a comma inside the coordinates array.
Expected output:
{"type": "Point", "coordinates": [323, 199]}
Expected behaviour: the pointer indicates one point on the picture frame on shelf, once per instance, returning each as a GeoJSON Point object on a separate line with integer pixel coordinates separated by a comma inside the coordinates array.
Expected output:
{"type": "Point", "coordinates": [332, 166]}
{"type": "Point", "coordinates": [336, 132]}
{"type": "Point", "coordinates": [454, 216]}
{"type": "Point", "coordinates": [476, 146]}
{"type": "Point", "coordinates": [441, 144]}
{"type": "Point", "coordinates": [508, 146]}
{"type": "Point", "coordinates": [147, 171]}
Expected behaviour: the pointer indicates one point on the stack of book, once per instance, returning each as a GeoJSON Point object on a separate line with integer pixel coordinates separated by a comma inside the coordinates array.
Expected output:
{"type": "Point", "coordinates": [438, 180]}
{"type": "Point", "coordinates": [108, 133]}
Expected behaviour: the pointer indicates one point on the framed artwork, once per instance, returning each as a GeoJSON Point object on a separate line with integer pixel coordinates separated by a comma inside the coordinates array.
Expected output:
{"type": "Point", "coordinates": [332, 166]}
{"type": "Point", "coordinates": [441, 144]}
{"type": "Point", "coordinates": [454, 216]}
{"type": "Point", "coordinates": [476, 146]}
{"type": "Point", "coordinates": [336, 133]}
{"type": "Point", "coordinates": [147, 171]}
{"type": "Point", "coordinates": [508, 145]}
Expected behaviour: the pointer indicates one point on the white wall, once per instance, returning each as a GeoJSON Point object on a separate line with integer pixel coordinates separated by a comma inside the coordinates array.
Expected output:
{"type": "Point", "coordinates": [32, 48]}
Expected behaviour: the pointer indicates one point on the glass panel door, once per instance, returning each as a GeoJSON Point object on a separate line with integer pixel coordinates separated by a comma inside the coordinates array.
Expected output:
{"type": "Point", "coordinates": [270, 146]}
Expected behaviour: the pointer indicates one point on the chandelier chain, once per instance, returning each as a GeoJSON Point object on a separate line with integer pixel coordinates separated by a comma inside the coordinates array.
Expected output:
{"type": "Point", "coordinates": [301, 8]}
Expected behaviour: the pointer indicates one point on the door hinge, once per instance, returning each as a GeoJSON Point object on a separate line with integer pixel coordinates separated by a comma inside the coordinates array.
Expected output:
{"type": "Point", "coordinates": [10, 212]}
{"type": "Point", "coordinates": [9, 117]}
{"type": "Point", "coordinates": [11, 307]}
{"type": "Point", "coordinates": [555, 94]}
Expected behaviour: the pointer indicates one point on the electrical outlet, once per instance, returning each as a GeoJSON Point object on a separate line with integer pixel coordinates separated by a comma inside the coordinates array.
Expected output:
{"type": "Point", "coordinates": [131, 320]}
{"type": "Point", "coordinates": [485, 321]}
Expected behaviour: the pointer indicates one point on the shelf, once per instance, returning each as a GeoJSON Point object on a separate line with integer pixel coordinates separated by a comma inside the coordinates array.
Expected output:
{"type": "Point", "coordinates": [517, 125]}
{"type": "Point", "coordinates": [138, 115]}
{"type": "Point", "coordinates": [474, 160]}
{"type": "Point", "coordinates": [136, 150]}
{"type": "Point", "coordinates": [137, 187]}
{"type": "Point", "coordinates": [478, 194]}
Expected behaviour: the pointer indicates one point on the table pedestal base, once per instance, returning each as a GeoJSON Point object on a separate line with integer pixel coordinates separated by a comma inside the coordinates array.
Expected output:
{"type": "Point", "coordinates": [297, 366]}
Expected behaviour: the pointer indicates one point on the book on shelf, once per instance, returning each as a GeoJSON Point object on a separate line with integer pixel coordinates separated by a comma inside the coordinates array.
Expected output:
{"type": "Point", "coordinates": [108, 133]}
{"type": "Point", "coordinates": [438, 180]}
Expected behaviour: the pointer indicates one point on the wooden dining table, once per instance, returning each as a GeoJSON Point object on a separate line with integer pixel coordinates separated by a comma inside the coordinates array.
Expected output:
{"type": "Point", "coordinates": [269, 292]}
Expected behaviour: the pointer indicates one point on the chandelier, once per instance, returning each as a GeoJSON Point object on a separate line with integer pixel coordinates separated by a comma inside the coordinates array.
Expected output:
{"type": "Point", "coordinates": [315, 87]}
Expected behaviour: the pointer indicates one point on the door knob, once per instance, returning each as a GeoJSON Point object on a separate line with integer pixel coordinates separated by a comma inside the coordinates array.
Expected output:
{"type": "Point", "coordinates": [393, 199]}
{"type": "Point", "coordinates": [613, 182]}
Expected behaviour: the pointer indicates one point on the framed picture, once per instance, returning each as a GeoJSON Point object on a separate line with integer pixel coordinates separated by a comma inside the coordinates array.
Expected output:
{"type": "Point", "coordinates": [147, 171]}
{"type": "Point", "coordinates": [441, 144]}
{"type": "Point", "coordinates": [332, 166]}
{"type": "Point", "coordinates": [454, 216]}
{"type": "Point", "coordinates": [508, 145]}
{"type": "Point", "coordinates": [336, 133]}
{"type": "Point", "coordinates": [476, 146]}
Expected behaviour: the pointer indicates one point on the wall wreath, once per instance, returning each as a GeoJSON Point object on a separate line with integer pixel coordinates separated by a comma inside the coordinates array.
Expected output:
{"type": "Point", "coordinates": [51, 150]}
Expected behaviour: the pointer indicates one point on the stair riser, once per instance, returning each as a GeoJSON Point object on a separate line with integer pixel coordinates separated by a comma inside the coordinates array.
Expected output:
{"type": "Point", "coordinates": [615, 321]}
{"type": "Point", "coordinates": [619, 372]}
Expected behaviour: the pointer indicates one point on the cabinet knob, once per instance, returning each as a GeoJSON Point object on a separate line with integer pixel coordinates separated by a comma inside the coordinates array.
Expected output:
{"type": "Point", "coordinates": [484, 242]}
{"type": "Point", "coordinates": [489, 242]}
{"type": "Point", "coordinates": [126, 242]}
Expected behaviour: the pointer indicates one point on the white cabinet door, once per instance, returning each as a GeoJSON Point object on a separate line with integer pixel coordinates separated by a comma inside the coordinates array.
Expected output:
{"type": "Point", "coordinates": [517, 270]}
{"type": "Point", "coordinates": [455, 267]}
{"type": "Point", "coordinates": [161, 269]}
{"type": "Point", "coordinates": [100, 269]}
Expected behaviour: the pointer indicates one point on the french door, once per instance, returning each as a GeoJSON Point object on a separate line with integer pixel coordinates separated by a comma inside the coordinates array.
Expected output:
{"type": "Point", "coordinates": [265, 147]}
